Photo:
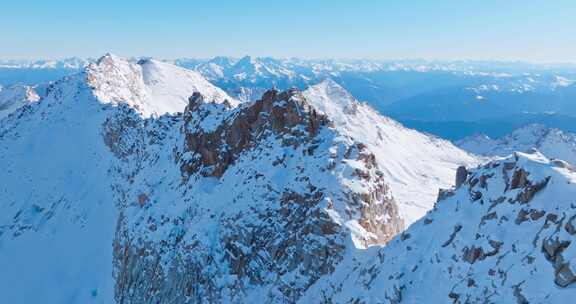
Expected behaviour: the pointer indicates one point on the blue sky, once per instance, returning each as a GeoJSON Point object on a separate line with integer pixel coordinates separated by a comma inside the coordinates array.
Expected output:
{"type": "Point", "coordinates": [531, 30]}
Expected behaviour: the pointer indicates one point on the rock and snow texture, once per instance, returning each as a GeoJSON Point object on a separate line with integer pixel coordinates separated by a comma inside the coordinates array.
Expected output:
{"type": "Point", "coordinates": [414, 164]}
{"type": "Point", "coordinates": [551, 142]}
{"type": "Point", "coordinates": [100, 202]}
{"type": "Point", "coordinates": [149, 86]}
{"type": "Point", "coordinates": [14, 97]}
{"type": "Point", "coordinates": [288, 199]}
{"type": "Point", "coordinates": [253, 204]}
{"type": "Point", "coordinates": [505, 236]}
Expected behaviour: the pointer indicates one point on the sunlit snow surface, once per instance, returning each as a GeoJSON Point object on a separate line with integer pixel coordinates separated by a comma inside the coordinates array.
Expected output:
{"type": "Point", "coordinates": [151, 87]}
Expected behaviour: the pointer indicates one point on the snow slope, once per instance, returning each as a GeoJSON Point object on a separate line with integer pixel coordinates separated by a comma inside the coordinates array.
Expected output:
{"type": "Point", "coordinates": [58, 216]}
{"type": "Point", "coordinates": [551, 142]}
{"type": "Point", "coordinates": [414, 164]}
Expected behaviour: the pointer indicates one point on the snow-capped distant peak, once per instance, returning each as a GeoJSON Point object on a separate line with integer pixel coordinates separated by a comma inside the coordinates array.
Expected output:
{"type": "Point", "coordinates": [551, 142]}
{"type": "Point", "coordinates": [331, 98]}
{"type": "Point", "coordinates": [149, 86]}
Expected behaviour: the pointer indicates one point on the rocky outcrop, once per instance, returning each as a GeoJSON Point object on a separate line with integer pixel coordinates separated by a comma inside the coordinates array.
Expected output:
{"type": "Point", "coordinates": [461, 175]}
{"type": "Point", "coordinates": [552, 249]}
{"type": "Point", "coordinates": [277, 114]}
{"type": "Point", "coordinates": [269, 196]}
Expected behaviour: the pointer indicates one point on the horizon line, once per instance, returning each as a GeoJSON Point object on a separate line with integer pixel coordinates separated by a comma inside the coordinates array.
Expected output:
{"type": "Point", "coordinates": [311, 58]}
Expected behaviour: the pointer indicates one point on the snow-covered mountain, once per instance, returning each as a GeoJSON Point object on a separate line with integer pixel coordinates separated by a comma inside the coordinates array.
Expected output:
{"type": "Point", "coordinates": [113, 193]}
{"type": "Point", "coordinates": [551, 142]}
{"type": "Point", "coordinates": [504, 236]}
{"type": "Point", "coordinates": [58, 202]}
{"type": "Point", "coordinates": [451, 99]}
{"type": "Point", "coordinates": [253, 202]}
{"type": "Point", "coordinates": [478, 77]}
{"type": "Point", "coordinates": [149, 86]}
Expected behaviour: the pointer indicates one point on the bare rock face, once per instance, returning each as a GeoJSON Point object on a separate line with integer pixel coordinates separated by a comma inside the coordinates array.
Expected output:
{"type": "Point", "coordinates": [552, 249]}
{"type": "Point", "coordinates": [461, 175]}
{"type": "Point", "coordinates": [258, 202]}
{"type": "Point", "coordinates": [528, 188]}
{"type": "Point", "coordinates": [278, 113]}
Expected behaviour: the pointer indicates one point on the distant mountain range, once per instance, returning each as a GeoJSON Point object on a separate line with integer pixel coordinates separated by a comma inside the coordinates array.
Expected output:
{"type": "Point", "coordinates": [449, 99]}
{"type": "Point", "coordinates": [553, 143]}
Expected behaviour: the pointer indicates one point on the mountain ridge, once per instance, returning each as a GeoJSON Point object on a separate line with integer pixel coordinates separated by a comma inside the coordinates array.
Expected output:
{"type": "Point", "coordinates": [277, 200]}
{"type": "Point", "coordinates": [504, 236]}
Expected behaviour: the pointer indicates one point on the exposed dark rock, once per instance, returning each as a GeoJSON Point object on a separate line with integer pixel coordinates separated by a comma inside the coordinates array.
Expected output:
{"type": "Point", "coordinates": [530, 190]}
{"type": "Point", "coordinates": [519, 179]}
{"type": "Point", "coordinates": [564, 275]}
{"type": "Point", "coordinates": [461, 176]}
{"type": "Point", "coordinates": [277, 113]}
{"type": "Point", "coordinates": [520, 298]}
{"type": "Point", "coordinates": [473, 254]}
{"type": "Point", "coordinates": [552, 249]}
{"type": "Point", "coordinates": [444, 194]}
{"type": "Point", "coordinates": [457, 229]}
{"type": "Point", "coordinates": [570, 225]}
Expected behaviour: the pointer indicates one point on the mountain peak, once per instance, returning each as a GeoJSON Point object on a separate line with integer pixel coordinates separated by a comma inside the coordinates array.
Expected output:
{"type": "Point", "coordinates": [151, 87]}
{"type": "Point", "coordinates": [246, 60]}
{"type": "Point", "coordinates": [109, 58]}
{"type": "Point", "coordinates": [331, 98]}
{"type": "Point", "coordinates": [256, 202]}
